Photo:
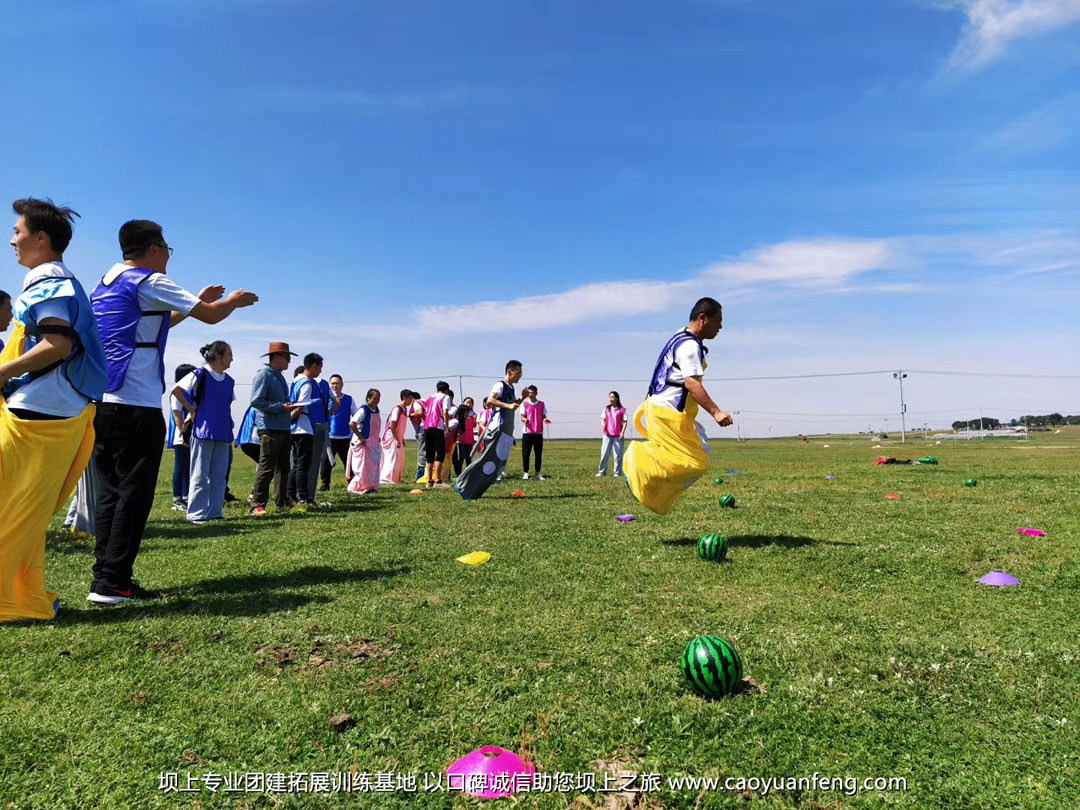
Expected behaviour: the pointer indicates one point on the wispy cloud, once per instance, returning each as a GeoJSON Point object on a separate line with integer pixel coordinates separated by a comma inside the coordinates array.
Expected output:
{"type": "Point", "coordinates": [821, 264]}
{"type": "Point", "coordinates": [992, 25]}
{"type": "Point", "coordinates": [1048, 126]}
{"type": "Point", "coordinates": [363, 102]}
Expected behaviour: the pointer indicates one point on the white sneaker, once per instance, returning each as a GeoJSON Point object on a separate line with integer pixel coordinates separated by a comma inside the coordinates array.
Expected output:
{"type": "Point", "coordinates": [539, 477]}
{"type": "Point", "coordinates": [525, 477]}
{"type": "Point", "coordinates": [599, 475]}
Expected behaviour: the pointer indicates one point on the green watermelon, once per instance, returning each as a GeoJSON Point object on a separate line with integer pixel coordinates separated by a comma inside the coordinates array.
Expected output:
{"type": "Point", "coordinates": [712, 666]}
{"type": "Point", "coordinates": [727, 500]}
{"type": "Point", "coordinates": [718, 480]}
{"type": "Point", "coordinates": [712, 547]}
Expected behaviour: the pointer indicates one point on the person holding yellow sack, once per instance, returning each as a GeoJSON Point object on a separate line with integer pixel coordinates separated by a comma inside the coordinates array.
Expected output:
{"type": "Point", "coordinates": [675, 450]}
{"type": "Point", "coordinates": [51, 371]}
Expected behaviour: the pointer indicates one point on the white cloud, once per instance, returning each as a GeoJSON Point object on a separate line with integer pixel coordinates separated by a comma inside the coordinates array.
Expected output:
{"type": "Point", "coordinates": [993, 24]}
{"type": "Point", "coordinates": [821, 264]}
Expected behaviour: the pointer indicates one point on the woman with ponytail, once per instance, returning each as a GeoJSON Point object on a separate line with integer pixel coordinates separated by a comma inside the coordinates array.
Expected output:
{"type": "Point", "coordinates": [207, 394]}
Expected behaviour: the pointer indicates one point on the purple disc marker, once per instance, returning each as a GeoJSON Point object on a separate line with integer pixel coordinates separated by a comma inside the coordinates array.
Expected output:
{"type": "Point", "coordinates": [830, 477]}
{"type": "Point", "coordinates": [624, 518]}
{"type": "Point", "coordinates": [999, 578]}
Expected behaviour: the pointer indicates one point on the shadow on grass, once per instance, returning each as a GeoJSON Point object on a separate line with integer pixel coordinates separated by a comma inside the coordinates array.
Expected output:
{"type": "Point", "coordinates": [239, 595]}
{"type": "Point", "coordinates": [762, 540]}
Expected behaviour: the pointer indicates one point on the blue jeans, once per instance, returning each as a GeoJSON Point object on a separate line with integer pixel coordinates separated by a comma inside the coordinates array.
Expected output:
{"type": "Point", "coordinates": [612, 444]}
{"type": "Point", "coordinates": [181, 472]}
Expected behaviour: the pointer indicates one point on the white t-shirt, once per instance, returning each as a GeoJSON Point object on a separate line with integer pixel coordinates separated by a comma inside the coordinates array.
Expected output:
{"type": "Point", "coordinates": [691, 363]}
{"type": "Point", "coordinates": [308, 390]}
{"type": "Point", "coordinates": [189, 382]}
{"type": "Point", "coordinates": [51, 393]}
{"type": "Point", "coordinates": [142, 383]}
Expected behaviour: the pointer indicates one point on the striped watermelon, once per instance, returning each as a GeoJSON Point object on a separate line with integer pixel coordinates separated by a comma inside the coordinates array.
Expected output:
{"type": "Point", "coordinates": [712, 547]}
{"type": "Point", "coordinates": [712, 666]}
{"type": "Point", "coordinates": [727, 500]}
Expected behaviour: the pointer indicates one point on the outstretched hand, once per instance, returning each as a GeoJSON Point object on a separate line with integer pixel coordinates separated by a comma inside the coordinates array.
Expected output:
{"type": "Point", "coordinates": [211, 293]}
{"type": "Point", "coordinates": [243, 299]}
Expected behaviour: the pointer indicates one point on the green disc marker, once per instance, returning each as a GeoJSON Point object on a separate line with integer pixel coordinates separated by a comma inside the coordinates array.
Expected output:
{"type": "Point", "coordinates": [712, 666]}
{"type": "Point", "coordinates": [971, 482]}
{"type": "Point", "coordinates": [712, 547]}
{"type": "Point", "coordinates": [727, 500]}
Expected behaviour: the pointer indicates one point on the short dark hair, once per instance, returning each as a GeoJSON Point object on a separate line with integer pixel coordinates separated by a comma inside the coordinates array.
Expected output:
{"type": "Point", "coordinates": [371, 392]}
{"type": "Point", "coordinates": [442, 386]}
{"type": "Point", "coordinates": [416, 395]}
{"type": "Point", "coordinates": [296, 371]}
{"type": "Point", "coordinates": [312, 358]}
{"type": "Point", "coordinates": [406, 393]}
{"type": "Point", "coordinates": [137, 235]}
{"type": "Point", "coordinates": [533, 389]}
{"type": "Point", "coordinates": [709, 307]}
{"type": "Point", "coordinates": [338, 376]}
{"type": "Point", "coordinates": [513, 364]}
{"type": "Point", "coordinates": [4, 297]}
{"type": "Point", "coordinates": [183, 370]}
{"type": "Point", "coordinates": [45, 215]}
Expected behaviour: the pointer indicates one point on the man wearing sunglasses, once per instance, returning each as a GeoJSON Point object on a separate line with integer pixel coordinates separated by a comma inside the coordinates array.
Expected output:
{"type": "Point", "coordinates": [135, 305]}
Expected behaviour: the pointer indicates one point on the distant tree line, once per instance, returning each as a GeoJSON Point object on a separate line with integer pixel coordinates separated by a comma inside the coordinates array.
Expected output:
{"type": "Point", "coordinates": [989, 423]}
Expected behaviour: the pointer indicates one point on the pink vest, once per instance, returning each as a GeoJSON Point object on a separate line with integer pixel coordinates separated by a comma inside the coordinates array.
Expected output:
{"type": "Point", "coordinates": [468, 435]}
{"type": "Point", "coordinates": [534, 416]}
{"type": "Point", "coordinates": [396, 429]}
{"type": "Point", "coordinates": [433, 412]}
{"type": "Point", "coordinates": [613, 420]}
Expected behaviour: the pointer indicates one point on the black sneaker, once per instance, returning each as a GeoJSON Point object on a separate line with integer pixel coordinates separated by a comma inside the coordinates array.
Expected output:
{"type": "Point", "coordinates": [139, 592]}
{"type": "Point", "coordinates": [229, 497]}
{"type": "Point", "coordinates": [324, 488]}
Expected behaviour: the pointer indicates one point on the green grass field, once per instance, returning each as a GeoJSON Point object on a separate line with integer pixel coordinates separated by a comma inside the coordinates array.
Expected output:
{"type": "Point", "coordinates": [872, 650]}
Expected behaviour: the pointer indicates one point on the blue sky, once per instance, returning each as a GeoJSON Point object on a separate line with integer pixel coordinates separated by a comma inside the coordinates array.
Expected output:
{"type": "Point", "coordinates": [428, 188]}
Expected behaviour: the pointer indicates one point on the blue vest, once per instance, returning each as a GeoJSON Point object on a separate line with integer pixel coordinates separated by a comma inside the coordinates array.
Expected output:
{"type": "Point", "coordinates": [313, 393]}
{"type": "Point", "coordinates": [171, 441]}
{"type": "Point", "coordinates": [84, 368]}
{"type": "Point", "coordinates": [339, 421]}
{"type": "Point", "coordinates": [667, 362]}
{"type": "Point", "coordinates": [248, 433]}
{"type": "Point", "coordinates": [116, 306]}
{"type": "Point", "coordinates": [318, 410]}
{"type": "Point", "coordinates": [213, 404]}
{"type": "Point", "coordinates": [365, 429]}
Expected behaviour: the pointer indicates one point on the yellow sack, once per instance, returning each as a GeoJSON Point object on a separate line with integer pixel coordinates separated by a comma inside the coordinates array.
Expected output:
{"type": "Point", "coordinates": [673, 455]}
{"type": "Point", "coordinates": [40, 465]}
{"type": "Point", "coordinates": [445, 468]}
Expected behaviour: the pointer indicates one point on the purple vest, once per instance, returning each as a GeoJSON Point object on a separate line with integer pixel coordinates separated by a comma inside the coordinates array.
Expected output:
{"type": "Point", "coordinates": [213, 403]}
{"type": "Point", "coordinates": [116, 307]}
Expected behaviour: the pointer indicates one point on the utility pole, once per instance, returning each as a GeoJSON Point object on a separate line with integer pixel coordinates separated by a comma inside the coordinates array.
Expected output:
{"type": "Point", "coordinates": [738, 427]}
{"type": "Point", "coordinates": [899, 376]}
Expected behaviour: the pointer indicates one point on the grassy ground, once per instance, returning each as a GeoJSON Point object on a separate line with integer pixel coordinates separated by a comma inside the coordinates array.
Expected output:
{"type": "Point", "coordinates": [874, 651]}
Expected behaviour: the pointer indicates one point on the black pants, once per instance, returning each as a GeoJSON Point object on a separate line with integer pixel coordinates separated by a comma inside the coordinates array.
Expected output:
{"type": "Point", "coordinates": [435, 445]}
{"type": "Point", "coordinates": [462, 456]}
{"type": "Point", "coordinates": [339, 448]}
{"type": "Point", "coordinates": [531, 442]}
{"type": "Point", "coordinates": [273, 463]}
{"type": "Point", "coordinates": [303, 445]}
{"type": "Point", "coordinates": [128, 445]}
{"type": "Point", "coordinates": [251, 451]}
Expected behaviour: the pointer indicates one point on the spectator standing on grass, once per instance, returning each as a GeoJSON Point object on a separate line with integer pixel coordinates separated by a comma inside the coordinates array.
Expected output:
{"type": "Point", "coordinates": [179, 441]}
{"type": "Point", "coordinates": [305, 392]}
{"type": "Point", "coordinates": [675, 450]}
{"type": "Point", "coordinates": [273, 410]}
{"type": "Point", "coordinates": [52, 370]}
{"type": "Point", "coordinates": [466, 440]}
{"type": "Point", "coordinates": [338, 440]}
{"type": "Point", "coordinates": [207, 394]}
{"type": "Point", "coordinates": [613, 423]}
{"type": "Point", "coordinates": [533, 416]}
{"type": "Point", "coordinates": [136, 304]}
{"type": "Point", "coordinates": [416, 416]}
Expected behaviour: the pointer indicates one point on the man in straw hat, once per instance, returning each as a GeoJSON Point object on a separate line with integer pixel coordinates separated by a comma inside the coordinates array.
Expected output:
{"type": "Point", "coordinates": [273, 420]}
